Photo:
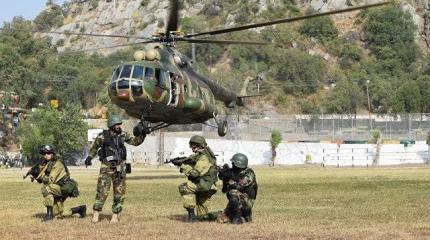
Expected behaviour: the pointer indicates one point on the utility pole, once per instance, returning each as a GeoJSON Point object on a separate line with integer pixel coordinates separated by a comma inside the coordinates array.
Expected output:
{"type": "Point", "coordinates": [368, 104]}
{"type": "Point", "coordinates": [160, 147]}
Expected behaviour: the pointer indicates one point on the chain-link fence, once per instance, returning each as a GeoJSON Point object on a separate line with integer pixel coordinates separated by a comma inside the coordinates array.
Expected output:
{"type": "Point", "coordinates": [326, 127]}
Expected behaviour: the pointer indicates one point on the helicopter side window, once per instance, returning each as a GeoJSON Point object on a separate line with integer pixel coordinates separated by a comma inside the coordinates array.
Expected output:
{"type": "Point", "coordinates": [137, 72]}
{"type": "Point", "coordinates": [161, 77]}
{"type": "Point", "coordinates": [126, 70]}
{"type": "Point", "coordinates": [149, 74]}
{"type": "Point", "coordinates": [116, 74]}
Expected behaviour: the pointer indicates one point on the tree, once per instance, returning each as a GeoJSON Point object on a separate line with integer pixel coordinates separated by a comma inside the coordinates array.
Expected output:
{"type": "Point", "coordinates": [346, 97]}
{"type": "Point", "coordinates": [390, 28]}
{"type": "Point", "coordinates": [275, 140]}
{"type": "Point", "coordinates": [65, 130]}
{"type": "Point", "coordinates": [407, 98]}
{"type": "Point", "coordinates": [321, 28]}
{"type": "Point", "coordinates": [52, 16]}
{"type": "Point", "coordinates": [298, 71]}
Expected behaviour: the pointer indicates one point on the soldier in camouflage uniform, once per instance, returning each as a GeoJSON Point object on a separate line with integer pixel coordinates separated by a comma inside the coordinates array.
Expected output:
{"type": "Point", "coordinates": [202, 175]}
{"type": "Point", "coordinates": [110, 148]}
{"type": "Point", "coordinates": [56, 178]}
{"type": "Point", "coordinates": [240, 186]}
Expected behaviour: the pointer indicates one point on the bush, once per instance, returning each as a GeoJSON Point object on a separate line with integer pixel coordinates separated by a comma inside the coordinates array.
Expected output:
{"type": "Point", "coordinates": [49, 18]}
{"type": "Point", "coordinates": [321, 28]}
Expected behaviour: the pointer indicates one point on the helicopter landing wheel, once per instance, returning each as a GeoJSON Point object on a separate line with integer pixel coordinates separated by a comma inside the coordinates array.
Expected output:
{"type": "Point", "coordinates": [222, 128]}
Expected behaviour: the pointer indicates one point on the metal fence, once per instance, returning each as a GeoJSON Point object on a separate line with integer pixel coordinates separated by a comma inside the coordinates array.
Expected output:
{"type": "Point", "coordinates": [326, 127]}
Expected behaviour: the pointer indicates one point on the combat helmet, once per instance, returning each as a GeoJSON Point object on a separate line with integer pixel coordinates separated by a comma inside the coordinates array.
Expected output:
{"type": "Point", "coordinates": [113, 120]}
{"type": "Point", "coordinates": [198, 140]}
{"type": "Point", "coordinates": [46, 149]}
{"type": "Point", "coordinates": [240, 160]}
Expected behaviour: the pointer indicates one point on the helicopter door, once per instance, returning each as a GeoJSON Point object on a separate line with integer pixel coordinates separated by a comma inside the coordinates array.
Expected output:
{"type": "Point", "coordinates": [174, 89]}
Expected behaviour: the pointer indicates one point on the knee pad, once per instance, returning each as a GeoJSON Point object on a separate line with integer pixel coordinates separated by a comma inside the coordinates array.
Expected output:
{"type": "Point", "coordinates": [48, 201]}
{"type": "Point", "coordinates": [45, 191]}
{"type": "Point", "coordinates": [183, 190]}
{"type": "Point", "coordinates": [189, 201]}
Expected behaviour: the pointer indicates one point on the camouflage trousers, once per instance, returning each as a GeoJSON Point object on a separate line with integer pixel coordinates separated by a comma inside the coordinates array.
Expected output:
{"type": "Point", "coordinates": [116, 177]}
{"type": "Point", "coordinates": [191, 198]}
{"type": "Point", "coordinates": [52, 197]}
{"type": "Point", "coordinates": [236, 201]}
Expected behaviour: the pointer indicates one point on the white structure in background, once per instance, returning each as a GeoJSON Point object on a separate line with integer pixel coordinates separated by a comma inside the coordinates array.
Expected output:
{"type": "Point", "coordinates": [259, 152]}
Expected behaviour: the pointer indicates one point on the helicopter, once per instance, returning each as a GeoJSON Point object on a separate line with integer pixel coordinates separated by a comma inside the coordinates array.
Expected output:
{"type": "Point", "coordinates": [161, 88]}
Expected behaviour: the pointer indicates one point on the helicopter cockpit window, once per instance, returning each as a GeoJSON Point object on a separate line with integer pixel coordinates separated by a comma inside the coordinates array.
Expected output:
{"type": "Point", "coordinates": [138, 72]}
{"type": "Point", "coordinates": [123, 84]}
{"type": "Point", "coordinates": [126, 70]}
{"type": "Point", "coordinates": [136, 88]}
{"type": "Point", "coordinates": [149, 74]}
{"type": "Point", "coordinates": [116, 74]}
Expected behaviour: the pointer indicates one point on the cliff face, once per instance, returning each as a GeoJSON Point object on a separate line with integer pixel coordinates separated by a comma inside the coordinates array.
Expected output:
{"type": "Point", "coordinates": [145, 17]}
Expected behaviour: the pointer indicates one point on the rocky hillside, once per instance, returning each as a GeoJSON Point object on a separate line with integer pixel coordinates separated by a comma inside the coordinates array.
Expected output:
{"type": "Point", "coordinates": [145, 17]}
{"type": "Point", "coordinates": [337, 64]}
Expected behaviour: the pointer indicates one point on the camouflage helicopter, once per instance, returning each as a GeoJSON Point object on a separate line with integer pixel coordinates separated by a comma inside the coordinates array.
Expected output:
{"type": "Point", "coordinates": [161, 86]}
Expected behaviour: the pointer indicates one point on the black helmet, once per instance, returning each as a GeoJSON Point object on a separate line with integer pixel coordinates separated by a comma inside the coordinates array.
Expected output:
{"type": "Point", "coordinates": [46, 149]}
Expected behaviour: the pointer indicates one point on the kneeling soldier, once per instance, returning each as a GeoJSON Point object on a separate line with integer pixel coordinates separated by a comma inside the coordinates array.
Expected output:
{"type": "Point", "coordinates": [57, 185]}
{"type": "Point", "coordinates": [200, 169]}
{"type": "Point", "coordinates": [240, 186]}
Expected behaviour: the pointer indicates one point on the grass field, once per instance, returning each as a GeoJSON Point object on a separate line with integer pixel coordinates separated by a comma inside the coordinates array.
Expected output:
{"type": "Point", "coordinates": [293, 203]}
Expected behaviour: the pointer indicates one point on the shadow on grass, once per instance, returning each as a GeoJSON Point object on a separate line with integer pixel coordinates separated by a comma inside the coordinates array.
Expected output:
{"type": "Point", "coordinates": [102, 216]}
{"type": "Point", "coordinates": [211, 217]}
{"type": "Point", "coordinates": [178, 217]}
{"type": "Point", "coordinates": [154, 177]}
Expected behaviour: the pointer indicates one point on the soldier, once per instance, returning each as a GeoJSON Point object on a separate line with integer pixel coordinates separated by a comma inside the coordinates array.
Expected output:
{"type": "Point", "coordinates": [57, 185]}
{"type": "Point", "coordinates": [240, 186]}
{"type": "Point", "coordinates": [200, 169]}
{"type": "Point", "coordinates": [110, 148]}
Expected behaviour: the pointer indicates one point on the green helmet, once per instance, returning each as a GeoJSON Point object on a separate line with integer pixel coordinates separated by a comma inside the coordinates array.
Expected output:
{"type": "Point", "coordinates": [113, 120]}
{"type": "Point", "coordinates": [240, 160]}
{"type": "Point", "coordinates": [198, 140]}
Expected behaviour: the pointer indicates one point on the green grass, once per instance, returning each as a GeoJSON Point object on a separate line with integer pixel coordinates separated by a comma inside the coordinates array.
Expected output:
{"type": "Point", "coordinates": [292, 203]}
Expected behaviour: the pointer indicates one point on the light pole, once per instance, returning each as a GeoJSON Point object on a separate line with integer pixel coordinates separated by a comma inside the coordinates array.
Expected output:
{"type": "Point", "coordinates": [368, 104]}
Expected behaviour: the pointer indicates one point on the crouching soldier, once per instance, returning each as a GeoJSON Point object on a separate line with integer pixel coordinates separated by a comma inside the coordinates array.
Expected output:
{"type": "Point", "coordinates": [240, 186]}
{"type": "Point", "coordinates": [57, 185]}
{"type": "Point", "coordinates": [200, 169]}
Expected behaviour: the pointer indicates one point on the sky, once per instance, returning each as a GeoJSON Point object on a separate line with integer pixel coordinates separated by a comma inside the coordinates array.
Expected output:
{"type": "Point", "coordinates": [29, 9]}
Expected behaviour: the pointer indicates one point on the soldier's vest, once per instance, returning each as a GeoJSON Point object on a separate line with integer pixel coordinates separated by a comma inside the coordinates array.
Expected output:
{"type": "Point", "coordinates": [113, 150]}
{"type": "Point", "coordinates": [68, 186]}
{"type": "Point", "coordinates": [205, 182]}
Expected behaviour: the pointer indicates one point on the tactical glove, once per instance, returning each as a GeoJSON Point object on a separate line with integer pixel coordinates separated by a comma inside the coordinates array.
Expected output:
{"type": "Point", "coordinates": [88, 161]}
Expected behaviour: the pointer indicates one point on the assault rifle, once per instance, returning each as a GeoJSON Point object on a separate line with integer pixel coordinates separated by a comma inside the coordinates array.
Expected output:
{"type": "Point", "coordinates": [178, 161]}
{"type": "Point", "coordinates": [33, 171]}
{"type": "Point", "coordinates": [229, 180]}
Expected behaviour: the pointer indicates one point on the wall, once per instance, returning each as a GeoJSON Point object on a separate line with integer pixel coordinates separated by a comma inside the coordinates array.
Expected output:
{"type": "Point", "coordinates": [259, 152]}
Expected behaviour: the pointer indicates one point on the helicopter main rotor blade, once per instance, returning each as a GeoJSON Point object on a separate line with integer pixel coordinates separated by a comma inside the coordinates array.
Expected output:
{"type": "Point", "coordinates": [192, 40]}
{"type": "Point", "coordinates": [263, 24]}
{"type": "Point", "coordinates": [107, 47]}
{"type": "Point", "coordinates": [77, 34]}
{"type": "Point", "coordinates": [172, 21]}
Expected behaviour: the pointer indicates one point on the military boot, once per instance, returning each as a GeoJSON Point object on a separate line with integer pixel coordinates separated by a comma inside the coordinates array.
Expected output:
{"type": "Point", "coordinates": [247, 214]}
{"type": "Point", "coordinates": [191, 215]}
{"type": "Point", "coordinates": [115, 218]}
{"type": "Point", "coordinates": [81, 210]}
{"type": "Point", "coordinates": [49, 214]}
{"type": "Point", "coordinates": [236, 217]}
{"type": "Point", "coordinates": [95, 216]}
